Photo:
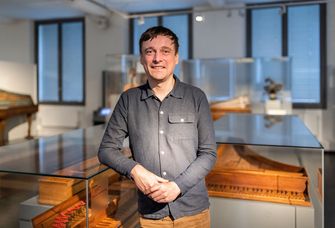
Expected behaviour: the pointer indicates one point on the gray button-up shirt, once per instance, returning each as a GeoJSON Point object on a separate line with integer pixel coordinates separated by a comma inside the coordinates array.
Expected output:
{"type": "Point", "coordinates": [174, 139]}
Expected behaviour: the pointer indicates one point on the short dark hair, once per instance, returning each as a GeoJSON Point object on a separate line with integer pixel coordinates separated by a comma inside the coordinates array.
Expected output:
{"type": "Point", "coordinates": [155, 31]}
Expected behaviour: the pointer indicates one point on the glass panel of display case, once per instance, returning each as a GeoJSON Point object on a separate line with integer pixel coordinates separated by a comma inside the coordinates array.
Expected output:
{"type": "Point", "coordinates": [259, 129]}
{"type": "Point", "coordinates": [221, 79]}
{"type": "Point", "coordinates": [121, 73]}
{"type": "Point", "coordinates": [283, 183]}
{"type": "Point", "coordinates": [268, 172]}
{"type": "Point", "coordinates": [271, 86]}
{"type": "Point", "coordinates": [106, 200]}
{"type": "Point", "coordinates": [72, 154]}
{"type": "Point", "coordinates": [265, 83]}
{"type": "Point", "coordinates": [58, 181]}
{"type": "Point", "coordinates": [272, 160]}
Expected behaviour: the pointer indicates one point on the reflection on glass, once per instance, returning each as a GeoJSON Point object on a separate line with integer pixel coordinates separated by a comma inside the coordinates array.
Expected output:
{"type": "Point", "coordinates": [72, 154]}
{"type": "Point", "coordinates": [254, 129]}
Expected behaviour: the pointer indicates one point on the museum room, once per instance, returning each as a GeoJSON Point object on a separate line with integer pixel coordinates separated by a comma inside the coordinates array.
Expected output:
{"type": "Point", "coordinates": [72, 136]}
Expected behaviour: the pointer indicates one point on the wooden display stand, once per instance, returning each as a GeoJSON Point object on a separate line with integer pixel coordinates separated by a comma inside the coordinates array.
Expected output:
{"type": "Point", "coordinates": [241, 173]}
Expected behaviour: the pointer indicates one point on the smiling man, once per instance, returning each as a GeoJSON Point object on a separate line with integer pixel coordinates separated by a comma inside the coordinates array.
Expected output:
{"type": "Point", "coordinates": [171, 137]}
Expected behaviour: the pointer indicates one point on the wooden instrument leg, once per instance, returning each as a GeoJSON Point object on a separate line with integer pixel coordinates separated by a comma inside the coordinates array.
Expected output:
{"type": "Point", "coordinates": [2, 133]}
{"type": "Point", "coordinates": [29, 119]}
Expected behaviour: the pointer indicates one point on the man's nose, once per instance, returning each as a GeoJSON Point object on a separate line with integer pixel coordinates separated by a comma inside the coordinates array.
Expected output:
{"type": "Point", "coordinates": [157, 57]}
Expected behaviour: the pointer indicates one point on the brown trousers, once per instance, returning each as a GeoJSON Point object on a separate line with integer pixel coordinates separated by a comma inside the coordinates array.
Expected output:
{"type": "Point", "coordinates": [201, 220]}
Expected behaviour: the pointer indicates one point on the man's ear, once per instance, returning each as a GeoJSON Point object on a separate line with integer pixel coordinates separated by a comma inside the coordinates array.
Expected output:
{"type": "Point", "coordinates": [177, 58]}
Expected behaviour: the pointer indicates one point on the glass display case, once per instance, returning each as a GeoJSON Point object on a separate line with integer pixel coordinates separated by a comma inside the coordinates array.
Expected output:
{"type": "Point", "coordinates": [226, 79]}
{"type": "Point", "coordinates": [268, 173]}
{"type": "Point", "coordinates": [221, 78]}
{"type": "Point", "coordinates": [121, 72]}
{"type": "Point", "coordinates": [58, 182]}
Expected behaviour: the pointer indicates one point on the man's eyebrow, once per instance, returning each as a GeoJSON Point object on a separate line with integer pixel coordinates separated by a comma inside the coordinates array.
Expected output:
{"type": "Point", "coordinates": [148, 48]}
{"type": "Point", "coordinates": [165, 47]}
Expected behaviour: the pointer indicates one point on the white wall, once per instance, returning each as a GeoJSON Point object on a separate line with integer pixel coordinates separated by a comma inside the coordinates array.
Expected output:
{"type": "Point", "coordinates": [17, 41]}
{"type": "Point", "coordinates": [17, 74]}
{"type": "Point", "coordinates": [219, 35]}
{"type": "Point", "coordinates": [99, 43]}
{"type": "Point", "coordinates": [19, 78]}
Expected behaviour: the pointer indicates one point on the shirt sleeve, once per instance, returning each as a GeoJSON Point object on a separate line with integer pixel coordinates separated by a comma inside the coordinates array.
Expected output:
{"type": "Point", "coordinates": [206, 153]}
{"type": "Point", "coordinates": [112, 142]}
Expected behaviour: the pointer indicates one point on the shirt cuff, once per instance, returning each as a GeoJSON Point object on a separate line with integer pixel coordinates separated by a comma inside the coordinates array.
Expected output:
{"type": "Point", "coordinates": [129, 166]}
{"type": "Point", "coordinates": [182, 186]}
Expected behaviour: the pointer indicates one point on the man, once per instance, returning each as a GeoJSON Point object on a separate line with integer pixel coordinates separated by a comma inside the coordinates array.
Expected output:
{"type": "Point", "coordinates": [171, 137]}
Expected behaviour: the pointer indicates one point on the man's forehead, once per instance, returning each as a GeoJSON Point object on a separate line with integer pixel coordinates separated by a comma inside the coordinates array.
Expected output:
{"type": "Point", "coordinates": [159, 40]}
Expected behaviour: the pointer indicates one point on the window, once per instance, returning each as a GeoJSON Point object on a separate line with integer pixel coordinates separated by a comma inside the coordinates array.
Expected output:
{"type": "Point", "coordinates": [60, 61]}
{"type": "Point", "coordinates": [304, 48]}
{"type": "Point", "coordinates": [297, 32]}
{"type": "Point", "coordinates": [179, 24]}
{"type": "Point", "coordinates": [267, 27]}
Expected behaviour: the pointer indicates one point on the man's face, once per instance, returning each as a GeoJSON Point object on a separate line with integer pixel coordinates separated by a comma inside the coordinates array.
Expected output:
{"type": "Point", "coordinates": [159, 58]}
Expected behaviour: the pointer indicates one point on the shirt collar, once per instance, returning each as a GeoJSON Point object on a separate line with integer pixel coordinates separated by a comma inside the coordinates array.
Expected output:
{"type": "Point", "coordinates": [176, 91]}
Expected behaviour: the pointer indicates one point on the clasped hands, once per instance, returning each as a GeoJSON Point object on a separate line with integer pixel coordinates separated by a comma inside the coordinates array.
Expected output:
{"type": "Point", "coordinates": [155, 187]}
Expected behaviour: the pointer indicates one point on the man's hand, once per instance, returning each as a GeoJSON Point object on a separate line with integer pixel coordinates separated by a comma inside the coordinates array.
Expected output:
{"type": "Point", "coordinates": [145, 180]}
{"type": "Point", "coordinates": [165, 192]}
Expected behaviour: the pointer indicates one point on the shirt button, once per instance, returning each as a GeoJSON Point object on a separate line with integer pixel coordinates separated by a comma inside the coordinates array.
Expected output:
{"type": "Point", "coordinates": [161, 132]}
{"type": "Point", "coordinates": [182, 120]}
{"type": "Point", "coordinates": [164, 173]}
{"type": "Point", "coordinates": [161, 112]}
{"type": "Point", "coordinates": [162, 152]}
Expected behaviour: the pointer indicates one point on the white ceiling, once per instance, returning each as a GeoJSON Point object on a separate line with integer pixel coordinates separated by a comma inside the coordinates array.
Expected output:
{"type": "Point", "coordinates": [49, 9]}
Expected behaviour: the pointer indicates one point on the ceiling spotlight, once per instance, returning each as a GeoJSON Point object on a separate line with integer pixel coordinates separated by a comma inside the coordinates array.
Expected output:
{"type": "Point", "coordinates": [241, 12]}
{"type": "Point", "coordinates": [199, 18]}
{"type": "Point", "coordinates": [141, 20]}
{"type": "Point", "coordinates": [282, 10]}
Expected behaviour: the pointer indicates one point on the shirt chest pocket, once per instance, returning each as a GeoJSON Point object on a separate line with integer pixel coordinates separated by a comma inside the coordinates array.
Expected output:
{"type": "Point", "coordinates": [182, 125]}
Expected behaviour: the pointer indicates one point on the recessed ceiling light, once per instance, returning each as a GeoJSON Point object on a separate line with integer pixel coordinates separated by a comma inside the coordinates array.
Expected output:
{"type": "Point", "coordinates": [199, 18]}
